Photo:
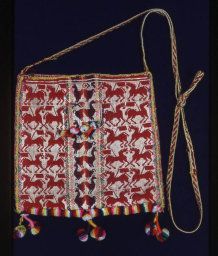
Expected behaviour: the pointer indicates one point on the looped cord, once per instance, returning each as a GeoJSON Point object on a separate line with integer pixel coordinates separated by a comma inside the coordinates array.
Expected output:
{"type": "Point", "coordinates": [179, 109]}
{"type": "Point", "coordinates": [180, 113]}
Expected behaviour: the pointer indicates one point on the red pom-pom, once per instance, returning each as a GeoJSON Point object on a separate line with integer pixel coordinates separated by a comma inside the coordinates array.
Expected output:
{"type": "Point", "coordinates": [98, 233]}
{"type": "Point", "coordinates": [82, 235]}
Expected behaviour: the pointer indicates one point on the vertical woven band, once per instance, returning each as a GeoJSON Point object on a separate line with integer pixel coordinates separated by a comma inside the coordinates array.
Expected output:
{"type": "Point", "coordinates": [179, 109]}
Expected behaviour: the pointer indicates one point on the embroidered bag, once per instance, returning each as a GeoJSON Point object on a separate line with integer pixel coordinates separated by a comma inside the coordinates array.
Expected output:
{"type": "Point", "coordinates": [88, 145]}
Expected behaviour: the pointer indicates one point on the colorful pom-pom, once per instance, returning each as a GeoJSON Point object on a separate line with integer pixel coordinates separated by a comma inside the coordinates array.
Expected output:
{"type": "Point", "coordinates": [36, 229]}
{"type": "Point", "coordinates": [165, 233]}
{"type": "Point", "coordinates": [84, 128]}
{"type": "Point", "coordinates": [82, 235]}
{"type": "Point", "coordinates": [98, 233]}
{"type": "Point", "coordinates": [148, 229]}
{"type": "Point", "coordinates": [163, 236]}
{"type": "Point", "coordinates": [19, 231]}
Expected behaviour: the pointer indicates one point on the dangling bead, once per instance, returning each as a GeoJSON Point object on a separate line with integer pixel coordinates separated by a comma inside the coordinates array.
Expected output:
{"type": "Point", "coordinates": [19, 231]}
{"type": "Point", "coordinates": [98, 233]}
{"type": "Point", "coordinates": [82, 235]}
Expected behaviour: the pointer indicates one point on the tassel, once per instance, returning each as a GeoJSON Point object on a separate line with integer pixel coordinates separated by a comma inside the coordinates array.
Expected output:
{"type": "Point", "coordinates": [20, 230]}
{"type": "Point", "coordinates": [33, 225]}
{"type": "Point", "coordinates": [97, 233]}
{"type": "Point", "coordinates": [156, 230]}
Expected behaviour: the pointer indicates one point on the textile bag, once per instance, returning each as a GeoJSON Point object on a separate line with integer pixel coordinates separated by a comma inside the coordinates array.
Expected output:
{"type": "Point", "coordinates": [88, 145]}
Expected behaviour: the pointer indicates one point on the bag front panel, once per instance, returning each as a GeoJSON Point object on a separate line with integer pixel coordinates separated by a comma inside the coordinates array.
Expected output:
{"type": "Point", "coordinates": [112, 163]}
{"type": "Point", "coordinates": [41, 153]}
{"type": "Point", "coordinates": [131, 166]}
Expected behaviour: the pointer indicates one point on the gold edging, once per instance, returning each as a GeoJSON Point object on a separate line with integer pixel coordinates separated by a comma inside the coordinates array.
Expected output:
{"type": "Point", "coordinates": [50, 77]}
{"type": "Point", "coordinates": [157, 143]}
{"type": "Point", "coordinates": [16, 144]}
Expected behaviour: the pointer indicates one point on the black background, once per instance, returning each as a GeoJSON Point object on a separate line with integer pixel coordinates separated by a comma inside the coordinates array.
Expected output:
{"type": "Point", "coordinates": [44, 27]}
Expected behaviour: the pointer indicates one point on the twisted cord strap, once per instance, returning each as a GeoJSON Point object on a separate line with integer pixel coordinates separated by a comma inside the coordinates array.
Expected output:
{"type": "Point", "coordinates": [179, 109]}
{"type": "Point", "coordinates": [90, 39]}
{"type": "Point", "coordinates": [179, 113]}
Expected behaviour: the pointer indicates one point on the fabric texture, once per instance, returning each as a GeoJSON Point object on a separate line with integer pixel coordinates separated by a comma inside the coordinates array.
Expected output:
{"type": "Point", "coordinates": [87, 143]}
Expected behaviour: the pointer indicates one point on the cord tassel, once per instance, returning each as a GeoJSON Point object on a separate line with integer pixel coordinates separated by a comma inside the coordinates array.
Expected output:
{"type": "Point", "coordinates": [20, 230]}
{"type": "Point", "coordinates": [155, 229]}
{"type": "Point", "coordinates": [97, 233]}
{"type": "Point", "coordinates": [33, 225]}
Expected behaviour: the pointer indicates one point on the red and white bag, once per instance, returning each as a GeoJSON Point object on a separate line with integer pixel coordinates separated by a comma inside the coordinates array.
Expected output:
{"type": "Point", "coordinates": [88, 145]}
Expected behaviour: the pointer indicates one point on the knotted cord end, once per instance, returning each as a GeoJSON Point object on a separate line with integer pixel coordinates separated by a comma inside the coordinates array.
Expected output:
{"type": "Point", "coordinates": [155, 229]}
{"type": "Point", "coordinates": [181, 101]}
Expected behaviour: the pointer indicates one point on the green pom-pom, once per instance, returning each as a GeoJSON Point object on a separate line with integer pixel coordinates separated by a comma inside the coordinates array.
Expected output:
{"type": "Point", "coordinates": [36, 229]}
{"type": "Point", "coordinates": [19, 231]}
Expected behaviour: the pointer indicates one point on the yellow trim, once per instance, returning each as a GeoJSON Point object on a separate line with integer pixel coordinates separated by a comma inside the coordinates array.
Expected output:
{"type": "Point", "coordinates": [157, 144]}
{"type": "Point", "coordinates": [16, 145]}
{"type": "Point", "coordinates": [50, 77]}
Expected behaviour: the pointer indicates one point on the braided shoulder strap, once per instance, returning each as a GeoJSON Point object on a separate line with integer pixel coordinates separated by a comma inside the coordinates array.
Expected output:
{"type": "Point", "coordinates": [179, 113]}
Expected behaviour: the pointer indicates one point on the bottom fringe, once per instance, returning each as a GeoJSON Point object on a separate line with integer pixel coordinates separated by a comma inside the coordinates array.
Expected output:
{"type": "Point", "coordinates": [95, 212]}
{"type": "Point", "coordinates": [92, 230]}
{"type": "Point", "coordinates": [96, 232]}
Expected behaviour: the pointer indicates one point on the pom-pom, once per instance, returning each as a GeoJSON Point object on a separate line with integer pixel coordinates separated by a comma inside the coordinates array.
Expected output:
{"type": "Point", "coordinates": [163, 236]}
{"type": "Point", "coordinates": [82, 235]}
{"type": "Point", "coordinates": [36, 229]}
{"type": "Point", "coordinates": [84, 128]}
{"type": "Point", "coordinates": [148, 229]}
{"type": "Point", "coordinates": [19, 231]}
{"type": "Point", "coordinates": [98, 233]}
{"type": "Point", "coordinates": [74, 130]}
{"type": "Point", "coordinates": [165, 233]}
